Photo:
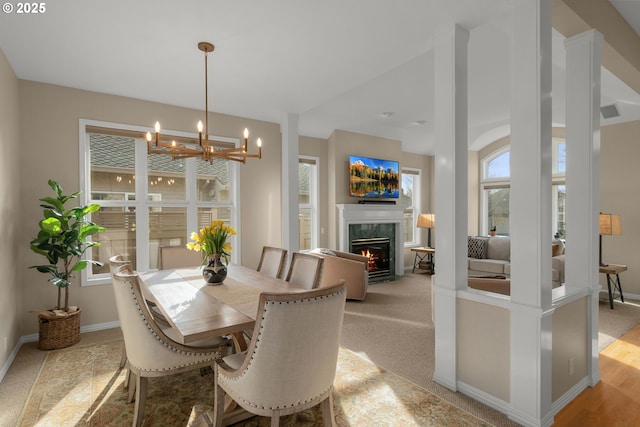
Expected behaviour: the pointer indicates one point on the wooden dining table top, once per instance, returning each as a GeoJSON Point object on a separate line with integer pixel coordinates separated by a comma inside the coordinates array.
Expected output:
{"type": "Point", "coordinates": [199, 310]}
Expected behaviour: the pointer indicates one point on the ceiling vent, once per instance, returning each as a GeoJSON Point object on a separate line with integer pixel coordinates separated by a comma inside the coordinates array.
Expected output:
{"type": "Point", "coordinates": [609, 111]}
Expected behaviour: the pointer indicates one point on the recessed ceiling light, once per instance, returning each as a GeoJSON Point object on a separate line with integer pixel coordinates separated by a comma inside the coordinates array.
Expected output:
{"type": "Point", "coordinates": [420, 122]}
{"type": "Point", "coordinates": [387, 114]}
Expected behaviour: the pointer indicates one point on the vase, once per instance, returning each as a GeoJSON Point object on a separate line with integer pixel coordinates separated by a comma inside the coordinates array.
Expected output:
{"type": "Point", "coordinates": [215, 271]}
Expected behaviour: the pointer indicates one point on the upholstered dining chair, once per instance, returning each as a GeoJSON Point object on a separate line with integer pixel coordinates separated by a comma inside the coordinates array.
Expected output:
{"type": "Point", "coordinates": [272, 261]}
{"type": "Point", "coordinates": [305, 270]}
{"type": "Point", "coordinates": [171, 257]}
{"type": "Point", "coordinates": [291, 361]}
{"type": "Point", "coordinates": [150, 352]}
{"type": "Point", "coordinates": [115, 262]}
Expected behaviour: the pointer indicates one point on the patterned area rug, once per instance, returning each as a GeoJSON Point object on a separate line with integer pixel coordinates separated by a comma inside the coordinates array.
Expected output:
{"type": "Point", "coordinates": [83, 386]}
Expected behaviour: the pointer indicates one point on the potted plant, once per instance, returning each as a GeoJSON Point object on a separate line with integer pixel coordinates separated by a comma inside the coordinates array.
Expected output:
{"type": "Point", "coordinates": [212, 242]}
{"type": "Point", "coordinates": [63, 239]}
{"type": "Point", "coordinates": [492, 231]}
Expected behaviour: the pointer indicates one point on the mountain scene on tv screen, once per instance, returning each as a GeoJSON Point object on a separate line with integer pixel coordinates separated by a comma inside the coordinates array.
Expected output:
{"type": "Point", "coordinates": [373, 180]}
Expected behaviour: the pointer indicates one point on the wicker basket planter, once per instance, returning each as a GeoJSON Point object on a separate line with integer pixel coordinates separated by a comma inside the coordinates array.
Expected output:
{"type": "Point", "coordinates": [58, 329]}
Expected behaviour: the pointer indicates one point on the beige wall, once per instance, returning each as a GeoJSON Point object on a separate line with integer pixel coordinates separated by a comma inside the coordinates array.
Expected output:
{"type": "Point", "coordinates": [620, 193]}
{"type": "Point", "coordinates": [341, 145]}
{"type": "Point", "coordinates": [569, 341]}
{"type": "Point", "coordinates": [483, 343]}
{"type": "Point", "coordinates": [10, 285]}
{"type": "Point", "coordinates": [49, 117]}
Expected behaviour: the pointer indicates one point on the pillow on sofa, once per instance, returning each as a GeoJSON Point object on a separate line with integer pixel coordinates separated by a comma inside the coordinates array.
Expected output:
{"type": "Point", "coordinates": [477, 247]}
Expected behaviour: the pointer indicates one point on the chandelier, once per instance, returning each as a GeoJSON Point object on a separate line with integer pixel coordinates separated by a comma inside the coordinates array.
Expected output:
{"type": "Point", "coordinates": [205, 149]}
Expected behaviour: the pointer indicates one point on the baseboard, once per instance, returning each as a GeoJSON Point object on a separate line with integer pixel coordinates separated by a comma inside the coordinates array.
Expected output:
{"type": "Point", "coordinates": [12, 356]}
{"type": "Point", "coordinates": [505, 407]}
{"type": "Point", "coordinates": [83, 329]}
{"type": "Point", "coordinates": [34, 337]}
{"type": "Point", "coordinates": [571, 394]}
{"type": "Point", "coordinates": [484, 397]}
{"type": "Point", "coordinates": [528, 421]}
{"type": "Point", "coordinates": [629, 296]}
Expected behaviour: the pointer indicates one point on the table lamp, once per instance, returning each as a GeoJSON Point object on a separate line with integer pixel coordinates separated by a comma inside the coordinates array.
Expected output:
{"type": "Point", "coordinates": [427, 221]}
{"type": "Point", "coordinates": [609, 226]}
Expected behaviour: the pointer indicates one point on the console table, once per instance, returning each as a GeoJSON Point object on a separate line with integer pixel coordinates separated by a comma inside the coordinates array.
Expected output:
{"type": "Point", "coordinates": [610, 270]}
{"type": "Point", "coordinates": [424, 256]}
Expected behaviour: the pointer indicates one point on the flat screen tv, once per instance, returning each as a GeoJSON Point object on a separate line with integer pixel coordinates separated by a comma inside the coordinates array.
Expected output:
{"type": "Point", "coordinates": [373, 178]}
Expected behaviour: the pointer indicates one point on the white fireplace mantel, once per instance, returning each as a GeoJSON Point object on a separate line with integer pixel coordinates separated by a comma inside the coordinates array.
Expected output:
{"type": "Point", "coordinates": [372, 213]}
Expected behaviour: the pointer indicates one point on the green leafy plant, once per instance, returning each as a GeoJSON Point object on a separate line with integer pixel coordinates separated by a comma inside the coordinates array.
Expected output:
{"type": "Point", "coordinates": [212, 239]}
{"type": "Point", "coordinates": [63, 239]}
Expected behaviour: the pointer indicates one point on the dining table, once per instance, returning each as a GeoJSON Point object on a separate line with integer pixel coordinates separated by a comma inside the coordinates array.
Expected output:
{"type": "Point", "coordinates": [198, 310]}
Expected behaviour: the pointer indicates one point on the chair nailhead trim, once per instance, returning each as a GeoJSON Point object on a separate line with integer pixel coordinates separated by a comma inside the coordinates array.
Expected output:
{"type": "Point", "coordinates": [205, 356]}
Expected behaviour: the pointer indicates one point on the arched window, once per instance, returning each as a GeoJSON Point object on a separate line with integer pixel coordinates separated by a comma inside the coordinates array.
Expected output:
{"type": "Point", "coordinates": [496, 184]}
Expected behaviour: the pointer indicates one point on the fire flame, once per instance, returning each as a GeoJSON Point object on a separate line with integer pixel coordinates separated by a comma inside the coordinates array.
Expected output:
{"type": "Point", "coordinates": [372, 259]}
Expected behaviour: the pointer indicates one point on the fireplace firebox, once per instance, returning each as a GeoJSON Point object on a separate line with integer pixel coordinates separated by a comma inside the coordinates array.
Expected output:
{"type": "Point", "coordinates": [377, 249]}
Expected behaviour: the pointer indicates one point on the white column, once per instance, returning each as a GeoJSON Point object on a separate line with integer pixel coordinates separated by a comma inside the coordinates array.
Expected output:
{"type": "Point", "coordinates": [450, 193]}
{"type": "Point", "coordinates": [583, 165]}
{"type": "Point", "coordinates": [530, 214]}
{"type": "Point", "coordinates": [290, 207]}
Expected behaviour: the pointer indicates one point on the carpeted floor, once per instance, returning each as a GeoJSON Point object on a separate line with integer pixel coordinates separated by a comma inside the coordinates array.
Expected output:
{"type": "Point", "coordinates": [392, 328]}
{"type": "Point", "coordinates": [83, 386]}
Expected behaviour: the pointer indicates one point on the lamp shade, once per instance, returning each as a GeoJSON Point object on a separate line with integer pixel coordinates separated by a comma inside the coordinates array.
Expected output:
{"type": "Point", "coordinates": [610, 225]}
{"type": "Point", "coordinates": [426, 221]}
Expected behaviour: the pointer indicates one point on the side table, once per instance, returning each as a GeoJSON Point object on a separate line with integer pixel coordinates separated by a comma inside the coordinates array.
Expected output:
{"type": "Point", "coordinates": [424, 256]}
{"type": "Point", "coordinates": [610, 270]}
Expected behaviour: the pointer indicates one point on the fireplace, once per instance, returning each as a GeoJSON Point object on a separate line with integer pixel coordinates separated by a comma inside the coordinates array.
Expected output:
{"type": "Point", "coordinates": [368, 221]}
{"type": "Point", "coordinates": [377, 241]}
{"type": "Point", "coordinates": [377, 249]}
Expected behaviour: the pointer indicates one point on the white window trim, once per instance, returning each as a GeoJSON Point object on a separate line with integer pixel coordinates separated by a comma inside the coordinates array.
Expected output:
{"type": "Point", "coordinates": [141, 188]}
{"type": "Point", "coordinates": [314, 195]}
{"type": "Point", "coordinates": [415, 207]}
{"type": "Point", "coordinates": [505, 182]}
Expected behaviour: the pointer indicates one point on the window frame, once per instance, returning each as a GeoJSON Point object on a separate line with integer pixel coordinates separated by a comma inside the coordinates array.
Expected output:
{"type": "Point", "coordinates": [314, 198]}
{"type": "Point", "coordinates": [414, 209]}
{"type": "Point", "coordinates": [142, 205]}
{"type": "Point", "coordinates": [558, 179]}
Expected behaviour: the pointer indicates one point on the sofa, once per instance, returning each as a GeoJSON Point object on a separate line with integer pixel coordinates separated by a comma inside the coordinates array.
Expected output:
{"type": "Point", "coordinates": [490, 257]}
{"type": "Point", "coordinates": [353, 268]}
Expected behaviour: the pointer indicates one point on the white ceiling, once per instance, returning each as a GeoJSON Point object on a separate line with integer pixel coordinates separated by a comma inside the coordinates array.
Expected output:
{"type": "Point", "coordinates": [339, 64]}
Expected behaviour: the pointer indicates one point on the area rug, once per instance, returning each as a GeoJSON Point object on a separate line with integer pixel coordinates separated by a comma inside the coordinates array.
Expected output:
{"type": "Point", "coordinates": [83, 386]}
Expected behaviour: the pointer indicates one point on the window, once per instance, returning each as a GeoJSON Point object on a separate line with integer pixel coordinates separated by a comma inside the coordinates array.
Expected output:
{"type": "Point", "coordinates": [308, 194]}
{"type": "Point", "coordinates": [148, 201]}
{"type": "Point", "coordinates": [496, 183]}
{"type": "Point", "coordinates": [410, 199]}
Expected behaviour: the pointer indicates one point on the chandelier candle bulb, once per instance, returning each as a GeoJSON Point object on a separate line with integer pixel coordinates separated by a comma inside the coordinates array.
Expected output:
{"type": "Point", "coordinates": [157, 132]}
{"type": "Point", "coordinates": [200, 131]}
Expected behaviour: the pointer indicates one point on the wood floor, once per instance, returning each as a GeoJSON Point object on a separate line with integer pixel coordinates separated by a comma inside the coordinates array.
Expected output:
{"type": "Point", "coordinates": [615, 400]}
